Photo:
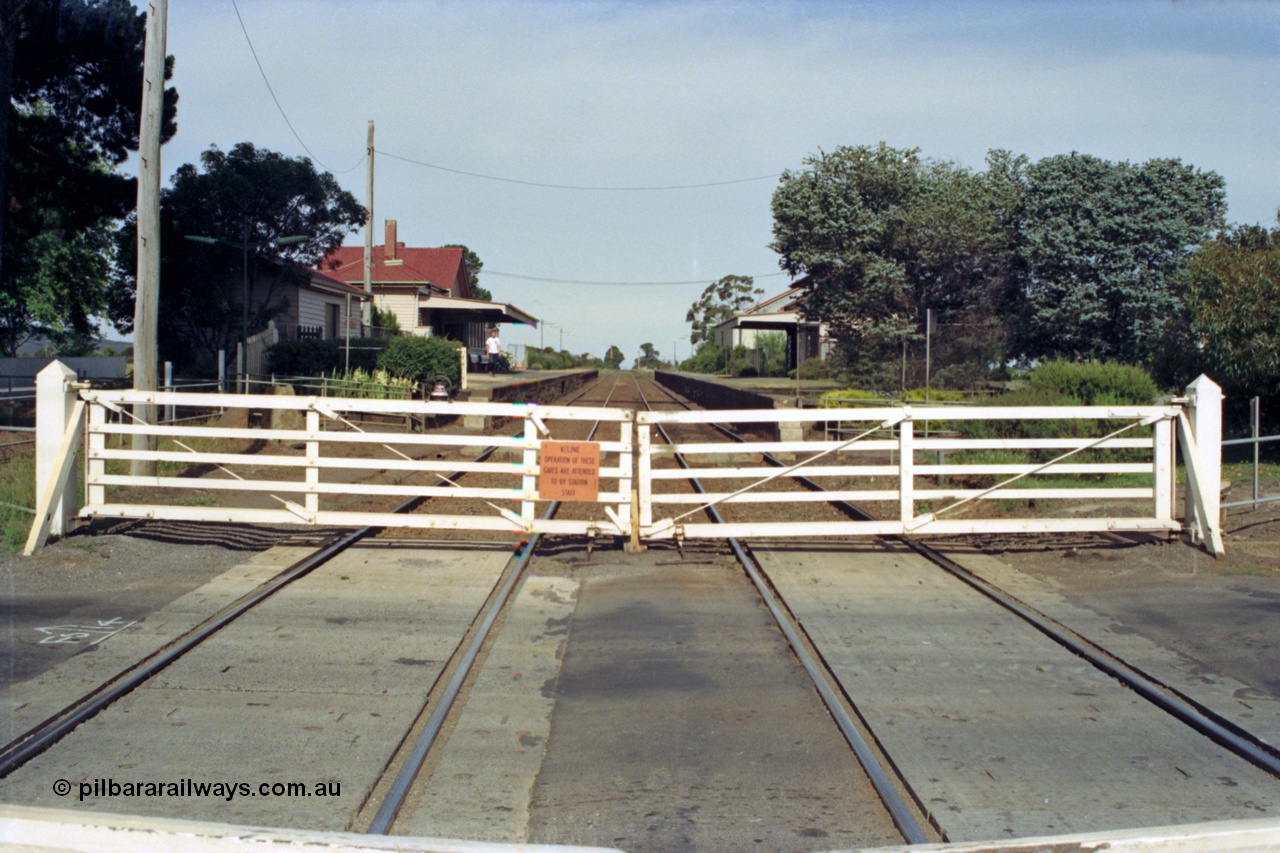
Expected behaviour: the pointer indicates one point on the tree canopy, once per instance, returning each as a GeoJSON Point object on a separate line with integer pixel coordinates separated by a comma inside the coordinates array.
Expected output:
{"type": "Point", "coordinates": [1103, 249]}
{"type": "Point", "coordinates": [613, 357]}
{"type": "Point", "coordinates": [1235, 307]}
{"type": "Point", "coordinates": [648, 357]}
{"type": "Point", "coordinates": [722, 299]}
{"type": "Point", "coordinates": [1071, 256]}
{"type": "Point", "coordinates": [246, 196]}
{"type": "Point", "coordinates": [880, 234]}
{"type": "Point", "coordinates": [474, 265]}
{"type": "Point", "coordinates": [73, 73]}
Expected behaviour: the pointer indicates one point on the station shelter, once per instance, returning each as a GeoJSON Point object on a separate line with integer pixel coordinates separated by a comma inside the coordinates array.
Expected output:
{"type": "Point", "coordinates": [782, 313]}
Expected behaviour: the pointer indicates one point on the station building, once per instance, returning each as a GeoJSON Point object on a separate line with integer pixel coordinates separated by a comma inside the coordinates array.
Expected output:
{"type": "Point", "coordinates": [427, 289]}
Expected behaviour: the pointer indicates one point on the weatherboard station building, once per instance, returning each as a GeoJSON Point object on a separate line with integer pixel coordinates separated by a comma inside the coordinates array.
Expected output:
{"type": "Point", "coordinates": [427, 289]}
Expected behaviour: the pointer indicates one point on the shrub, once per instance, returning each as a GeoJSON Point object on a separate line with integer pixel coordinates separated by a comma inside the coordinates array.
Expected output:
{"type": "Point", "coordinates": [421, 359]}
{"type": "Point", "coordinates": [814, 368]}
{"type": "Point", "coordinates": [708, 358]}
{"type": "Point", "coordinates": [843, 397]}
{"type": "Point", "coordinates": [936, 395]}
{"type": "Point", "coordinates": [322, 358]}
{"type": "Point", "coordinates": [303, 358]}
{"type": "Point", "coordinates": [1096, 383]}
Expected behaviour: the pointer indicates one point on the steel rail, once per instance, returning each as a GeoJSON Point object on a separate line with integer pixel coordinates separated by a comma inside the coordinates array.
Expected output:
{"type": "Point", "coordinates": [899, 811]}
{"type": "Point", "coordinates": [1164, 696]}
{"type": "Point", "coordinates": [385, 816]}
{"type": "Point", "coordinates": [45, 734]}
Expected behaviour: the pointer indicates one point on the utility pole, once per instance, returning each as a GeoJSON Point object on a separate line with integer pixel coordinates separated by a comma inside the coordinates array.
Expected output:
{"type": "Point", "coordinates": [367, 310]}
{"type": "Point", "coordinates": [146, 308]}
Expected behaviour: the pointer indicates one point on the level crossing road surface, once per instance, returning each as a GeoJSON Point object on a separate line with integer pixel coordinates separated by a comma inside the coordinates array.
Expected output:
{"type": "Point", "coordinates": [316, 684]}
{"type": "Point", "coordinates": [1002, 732]}
{"type": "Point", "coordinates": [638, 701]}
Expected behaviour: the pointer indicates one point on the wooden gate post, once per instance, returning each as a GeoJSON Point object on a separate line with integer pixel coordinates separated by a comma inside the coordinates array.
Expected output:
{"type": "Point", "coordinates": [55, 400]}
{"type": "Point", "coordinates": [1204, 412]}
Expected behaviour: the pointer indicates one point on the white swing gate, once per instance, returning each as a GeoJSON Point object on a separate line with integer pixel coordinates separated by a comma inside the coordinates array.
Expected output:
{"type": "Point", "coordinates": [878, 458]}
{"type": "Point", "coordinates": [329, 454]}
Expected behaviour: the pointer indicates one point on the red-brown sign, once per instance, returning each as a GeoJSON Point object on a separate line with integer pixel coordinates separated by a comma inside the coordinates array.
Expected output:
{"type": "Point", "coordinates": [570, 471]}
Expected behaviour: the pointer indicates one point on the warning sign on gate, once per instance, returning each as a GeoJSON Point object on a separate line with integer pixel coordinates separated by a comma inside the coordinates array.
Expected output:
{"type": "Point", "coordinates": [570, 470]}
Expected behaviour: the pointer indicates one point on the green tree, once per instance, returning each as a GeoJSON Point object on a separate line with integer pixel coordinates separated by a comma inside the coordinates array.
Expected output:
{"type": "Point", "coordinates": [648, 358]}
{"type": "Point", "coordinates": [474, 265]}
{"type": "Point", "coordinates": [1103, 256]}
{"type": "Point", "coordinates": [613, 358]}
{"type": "Point", "coordinates": [244, 196]}
{"type": "Point", "coordinates": [1234, 299]}
{"type": "Point", "coordinates": [71, 71]}
{"type": "Point", "coordinates": [721, 300]}
{"type": "Point", "coordinates": [882, 234]}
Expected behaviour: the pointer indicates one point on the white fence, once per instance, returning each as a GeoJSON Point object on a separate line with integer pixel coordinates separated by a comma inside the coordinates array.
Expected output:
{"type": "Point", "coordinates": [892, 459]}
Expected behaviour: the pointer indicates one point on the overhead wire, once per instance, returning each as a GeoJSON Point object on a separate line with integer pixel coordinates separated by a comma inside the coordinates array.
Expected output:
{"type": "Point", "coordinates": [616, 283]}
{"type": "Point", "coordinates": [581, 187]}
{"type": "Point", "coordinates": [283, 114]}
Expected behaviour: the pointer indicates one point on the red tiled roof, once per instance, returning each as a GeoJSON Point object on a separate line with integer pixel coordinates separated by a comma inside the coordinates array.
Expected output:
{"type": "Point", "coordinates": [440, 267]}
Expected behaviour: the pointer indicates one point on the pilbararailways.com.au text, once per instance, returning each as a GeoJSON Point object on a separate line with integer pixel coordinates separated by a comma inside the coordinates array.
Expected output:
{"type": "Point", "coordinates": [102, 788]}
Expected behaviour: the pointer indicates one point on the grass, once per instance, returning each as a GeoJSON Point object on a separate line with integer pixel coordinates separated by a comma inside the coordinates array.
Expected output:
{"type": "Point", "coordinates": [17, 487]}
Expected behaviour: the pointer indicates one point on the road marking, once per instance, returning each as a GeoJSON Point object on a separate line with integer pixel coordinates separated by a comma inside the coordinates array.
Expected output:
{"type": "Point", "coordinates": [102, 629]}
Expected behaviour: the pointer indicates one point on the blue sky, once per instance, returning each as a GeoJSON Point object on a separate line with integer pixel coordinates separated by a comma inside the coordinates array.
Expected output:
{"type": "Point", "coordinates": [656, 94]}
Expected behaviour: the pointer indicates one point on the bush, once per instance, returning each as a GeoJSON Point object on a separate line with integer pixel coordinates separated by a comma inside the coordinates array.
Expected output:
{"type": "Point", "coordinates": [1096, 383]}
{"type": "Point", "coordinates": [843, 397]}
{"type": "Point", "coordinates": [936, 395]}
{"type": "Point", "coordinates": [814, 368]}
{"type": "Point", "coordinates": [708, 358]}
{"type": "Point", "coordinates": [304, 358]}
{"type": "Point", "coordinates": [421, 359]}
{"type": "Point", "coordinates": [322, 358]}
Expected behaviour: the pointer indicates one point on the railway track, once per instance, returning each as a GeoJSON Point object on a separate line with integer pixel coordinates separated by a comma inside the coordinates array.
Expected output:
{"type": "Point", "coordinates": [400, 799]}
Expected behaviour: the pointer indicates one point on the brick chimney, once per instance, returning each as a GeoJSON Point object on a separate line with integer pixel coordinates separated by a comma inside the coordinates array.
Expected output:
{"type": "Point", "coordinates": [389, 249]}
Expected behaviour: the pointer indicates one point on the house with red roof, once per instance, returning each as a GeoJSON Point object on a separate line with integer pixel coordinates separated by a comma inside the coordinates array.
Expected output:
{"type": "Point", "coordinates": [427, 289]}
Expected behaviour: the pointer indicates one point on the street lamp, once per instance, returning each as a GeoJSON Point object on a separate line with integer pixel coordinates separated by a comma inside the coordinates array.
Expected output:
{"type": "Point", "coordinates": [244, 247]}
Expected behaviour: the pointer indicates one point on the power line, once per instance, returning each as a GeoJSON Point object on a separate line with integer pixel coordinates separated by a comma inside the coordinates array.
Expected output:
{"type": "Point", "coordinates": [613, 283]}
{"type": "Point", "coordinates": [283, 115]}
{"type": "Point", "coordinates": [574, 186]}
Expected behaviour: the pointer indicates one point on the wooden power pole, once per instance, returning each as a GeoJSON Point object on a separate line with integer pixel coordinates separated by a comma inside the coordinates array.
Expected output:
{"type": "Point", "coordinates": [146, 309]}
{"type": "Point", "coordinates": [368, 234]}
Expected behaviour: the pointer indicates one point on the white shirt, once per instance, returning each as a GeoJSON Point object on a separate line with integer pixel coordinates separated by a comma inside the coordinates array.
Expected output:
{"type": "Point", "coordinates": [493, 346]}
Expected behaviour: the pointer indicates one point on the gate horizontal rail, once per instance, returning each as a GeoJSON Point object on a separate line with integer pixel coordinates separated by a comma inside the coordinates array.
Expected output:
{"type": "Point", "coordinates": [890, 462]}
{"type": "Point", "coordinates": [896, 459]}
{"type": "Point", "coordinates": [326, 466]}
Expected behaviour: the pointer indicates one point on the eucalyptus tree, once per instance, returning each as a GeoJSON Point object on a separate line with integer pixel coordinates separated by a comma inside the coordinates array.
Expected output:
{"type": "Point", "coordinates": [881, 234]}
{"type": "Point", "coordinates": [1103, 252]}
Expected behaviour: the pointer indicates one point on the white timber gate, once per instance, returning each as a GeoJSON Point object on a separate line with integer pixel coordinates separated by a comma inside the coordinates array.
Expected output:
{"type": "Point", "coordinates": [319, 448]}
{"type": "Point", "coordinates": [1101, 468]}
{"type": "Point", "coordinates": [1107, 469]}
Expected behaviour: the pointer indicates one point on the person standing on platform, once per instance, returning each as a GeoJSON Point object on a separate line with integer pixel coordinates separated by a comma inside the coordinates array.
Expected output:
{"type": "Point", "coordinates": [493, 347]}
